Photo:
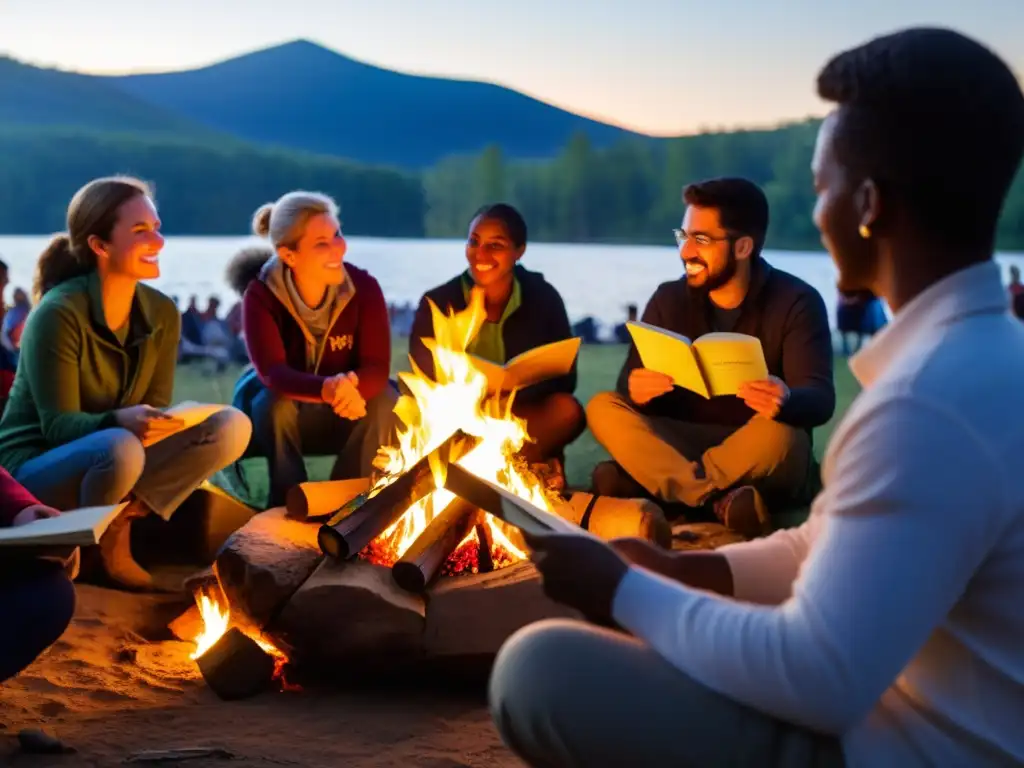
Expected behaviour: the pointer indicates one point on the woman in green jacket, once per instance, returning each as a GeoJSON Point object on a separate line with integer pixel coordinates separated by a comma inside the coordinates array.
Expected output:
{"type": "Point", "coordinates": [84, 425]}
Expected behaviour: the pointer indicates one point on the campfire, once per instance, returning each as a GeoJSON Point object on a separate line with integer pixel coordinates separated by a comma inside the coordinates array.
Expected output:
{"type": "Point", "coordinates": [410, 521]}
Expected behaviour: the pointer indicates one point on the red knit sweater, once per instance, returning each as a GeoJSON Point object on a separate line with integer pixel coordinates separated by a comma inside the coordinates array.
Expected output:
{"type": "Point", "coordinates": [13, 498]}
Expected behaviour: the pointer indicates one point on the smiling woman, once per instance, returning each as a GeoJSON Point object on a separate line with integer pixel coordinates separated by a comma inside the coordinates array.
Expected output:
{"type": "Point", "coordinates": [318, 335]}
{"type": "Point", "coordinates": [524, 311]}
{"type": "Point", "coordinates": [84, 425]}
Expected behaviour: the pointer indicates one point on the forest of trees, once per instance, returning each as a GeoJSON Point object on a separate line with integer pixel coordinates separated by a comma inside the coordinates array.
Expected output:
{"type": "Point", "coordinates": [629, 192]}
{"type": "Point", "coordinates": [203, 188]}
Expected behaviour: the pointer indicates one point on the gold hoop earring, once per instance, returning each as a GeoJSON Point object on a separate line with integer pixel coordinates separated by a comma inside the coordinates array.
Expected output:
{"type": "Point", "coordinates": [865, 231]}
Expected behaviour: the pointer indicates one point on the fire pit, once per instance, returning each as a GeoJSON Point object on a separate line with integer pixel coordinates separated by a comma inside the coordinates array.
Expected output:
{"type": "Point", "coordinates": [429, 563]}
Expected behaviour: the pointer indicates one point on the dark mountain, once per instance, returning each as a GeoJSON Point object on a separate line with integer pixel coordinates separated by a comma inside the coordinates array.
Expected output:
{"type": "Point", "coordinates": [303, 96]}
{"type": "Point", "coordinates": [33, 96]}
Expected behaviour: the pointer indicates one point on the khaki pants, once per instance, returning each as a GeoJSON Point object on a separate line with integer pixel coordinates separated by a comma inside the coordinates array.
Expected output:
{"type": "Point", "coordinates": [682, 462]}
{"type": "Point", "coordinates": [565, 694]}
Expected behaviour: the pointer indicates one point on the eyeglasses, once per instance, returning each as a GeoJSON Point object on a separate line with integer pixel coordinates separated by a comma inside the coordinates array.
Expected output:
{"type": "Point", "coordinates": [699, 239]}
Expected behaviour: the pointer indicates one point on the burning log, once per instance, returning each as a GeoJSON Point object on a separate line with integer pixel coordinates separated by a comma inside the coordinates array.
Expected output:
{"type": "Point", "coordinates": [423, 560]}
{"type": "Point", "coordinates": [235, 666]}
{"type": "Point", "coordinates": [602, 517]}
{"type": "Point", "coordinates": [310, 501]}
{"type": "Point", "coordinates": [504, 504]}
{"type": "Point", "coordinates": [356, 525]}
{"type": "Point", "coordinates": [485, 564]}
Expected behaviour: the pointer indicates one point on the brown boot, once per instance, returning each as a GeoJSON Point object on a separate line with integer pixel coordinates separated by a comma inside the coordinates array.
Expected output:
{"type": "Point", "coordinates": [116, 551]}
{"type": "Point", "coordinates": [743, 510]}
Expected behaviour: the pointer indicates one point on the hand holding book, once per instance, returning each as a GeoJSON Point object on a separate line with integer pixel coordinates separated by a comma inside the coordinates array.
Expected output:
{"type": "Point", "coordinates": [765, 397]}
{"type": "Point", "coordinates": [33, 513]}
{"type": "Point", "coordinates": [645, 385]}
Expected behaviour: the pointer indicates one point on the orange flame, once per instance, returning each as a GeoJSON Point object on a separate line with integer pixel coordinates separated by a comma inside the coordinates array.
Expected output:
{"type": "Point", "coordinates": [217, 620]}
{"type": "Point", "coordinates": [457, 398]}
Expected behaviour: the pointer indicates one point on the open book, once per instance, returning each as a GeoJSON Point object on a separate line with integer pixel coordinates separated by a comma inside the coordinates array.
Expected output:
{"type": "Point", "coordinates": [531, 367]}
{"type": "Point", "coordinates": [75, 528]}
{"type": "Point", "coordinates": [190, 413]}
{"type": "Point", "coordinates": [715, 364]}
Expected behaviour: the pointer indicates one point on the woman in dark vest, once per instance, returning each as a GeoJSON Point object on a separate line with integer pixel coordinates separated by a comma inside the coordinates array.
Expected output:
{"type": "Point", "coordinates": [524, 311]}
{"type": "Point", "coordinates": [85, 424]}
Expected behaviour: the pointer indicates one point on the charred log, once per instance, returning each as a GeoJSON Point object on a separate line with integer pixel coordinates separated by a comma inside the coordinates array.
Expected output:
{"type": "Point", "coordinates": [359, 523]}
{"type": "Point", "coordinates": [235, 667]}
{"type": "Point", "coordinates": [423, 560]}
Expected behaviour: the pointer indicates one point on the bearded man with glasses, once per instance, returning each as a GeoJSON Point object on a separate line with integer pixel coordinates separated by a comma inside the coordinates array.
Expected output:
{"type": "Point", "coordinates": [735, 456]}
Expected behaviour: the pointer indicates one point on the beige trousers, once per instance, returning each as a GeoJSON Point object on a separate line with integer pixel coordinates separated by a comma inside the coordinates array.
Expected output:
{"type": "Point", "coordinates": [677, 461]}
{"type": "Point", "coordinates": [566, 694]}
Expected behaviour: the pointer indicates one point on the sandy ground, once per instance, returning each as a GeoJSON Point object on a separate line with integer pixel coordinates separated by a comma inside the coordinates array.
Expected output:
{"type": "Point", "coordinates": [113, 687]}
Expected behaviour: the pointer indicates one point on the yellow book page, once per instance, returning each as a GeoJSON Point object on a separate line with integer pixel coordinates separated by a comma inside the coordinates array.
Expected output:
{"type": "Point", "coordinates": [541, 363]}
{"type": "Point", "coordinates": [669, 353]}
{"type": "Point", "coordinates": [495, 373]}
{"type": "Point", "coordinates": [729, 360]}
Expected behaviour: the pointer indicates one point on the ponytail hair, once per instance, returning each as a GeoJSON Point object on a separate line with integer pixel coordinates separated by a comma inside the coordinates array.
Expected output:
{"type": "Point", "coordinates": [284, 222]}
{"type": "Point", "coordinates": [92, 212]}
{"type": "Point", "coordinates": [56, 264]}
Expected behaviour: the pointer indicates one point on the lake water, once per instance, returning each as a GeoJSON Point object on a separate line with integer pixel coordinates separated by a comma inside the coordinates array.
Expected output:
{"type": "Point", "coordinates": [597, 280]}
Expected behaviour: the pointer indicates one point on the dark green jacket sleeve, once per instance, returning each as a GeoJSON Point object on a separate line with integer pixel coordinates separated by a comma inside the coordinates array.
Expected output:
{"type": "Point", "coordinates": [161, 388]}
{"type": "Point", "coordinates": [50, 358]}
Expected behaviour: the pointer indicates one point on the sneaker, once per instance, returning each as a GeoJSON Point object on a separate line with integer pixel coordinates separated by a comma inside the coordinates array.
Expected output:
{"type": "Point", "coordinates": [743, 510]}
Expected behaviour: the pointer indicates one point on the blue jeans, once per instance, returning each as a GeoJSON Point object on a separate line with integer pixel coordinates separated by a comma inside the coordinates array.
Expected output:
{"type": "Point", "coordinates": [37, 602]}
{"type": "Point", "coordinates": [106, 466]}
{"type": "Point", "coordinates": [286, 430]}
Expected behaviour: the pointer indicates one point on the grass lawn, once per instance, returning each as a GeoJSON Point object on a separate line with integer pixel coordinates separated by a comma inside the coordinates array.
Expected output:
{"type": "Point", "coordinates": [599, 367]}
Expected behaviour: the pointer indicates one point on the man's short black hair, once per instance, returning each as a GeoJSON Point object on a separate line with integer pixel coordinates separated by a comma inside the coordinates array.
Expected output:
{"type": "Point", "coordinates": [935, 119]}
{"type": "Point", "coordinates": [742, 206]}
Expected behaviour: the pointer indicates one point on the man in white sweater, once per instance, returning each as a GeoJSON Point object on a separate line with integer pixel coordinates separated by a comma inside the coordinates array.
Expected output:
{"type": "Point", "coordinates": [888, 629]}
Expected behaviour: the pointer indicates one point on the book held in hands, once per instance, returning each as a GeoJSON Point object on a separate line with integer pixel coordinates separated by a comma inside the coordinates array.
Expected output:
{"type": "Point", "coordinates": [74, 528]}
{"type": "Point", "coordinates": [712, 365]}
{"type": "Point", "coordinates": [533, 366]}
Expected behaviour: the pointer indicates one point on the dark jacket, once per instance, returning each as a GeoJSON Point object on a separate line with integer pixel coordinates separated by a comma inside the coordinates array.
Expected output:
{"type": "Point", "coordinates": [358, 339]}
{"type": "Point", "coordinates": [73, 373]}
{"type": "Point", "coordinates": [789, 318]}
{"type": "Point", "coordinates": [540, 319]}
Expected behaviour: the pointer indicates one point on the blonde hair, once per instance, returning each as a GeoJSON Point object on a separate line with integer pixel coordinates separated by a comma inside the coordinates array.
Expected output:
{"type": "Point", "coordinates": [284, 221]}
{"type": "Point", "coordinates": [92, 211]}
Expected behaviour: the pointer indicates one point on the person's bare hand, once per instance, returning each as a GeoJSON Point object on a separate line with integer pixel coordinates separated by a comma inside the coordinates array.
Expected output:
{"type": "Point", "coordinates": [765, 397]}
{"type": "Point", "coordinates": [645, 385]}
{"type": "Point", "coordinates": [147, 423]}
{"type": "Point", "coordinates": [33, 513]}
{"type": "Point", "coordinates": [579, 571]}
{"type": "Point", "coordinates": [641, 552]}
{"type": "Point", "coordinates": [348, 403]}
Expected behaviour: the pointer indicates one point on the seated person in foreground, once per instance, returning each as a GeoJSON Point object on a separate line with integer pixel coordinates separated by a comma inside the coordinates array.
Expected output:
{"type": "Point", "coordinates": [729, 450]}
{"type": "Point", "coordinates": [37, 598]}
{"type": "Point", "coordinates": [84, 425]}
{"type": "Point", "coordinates": [888, 630]}
{"type": "Point", "coordinates": [318, 336]}
{"type": "Point", "coordinates": [524, 311]}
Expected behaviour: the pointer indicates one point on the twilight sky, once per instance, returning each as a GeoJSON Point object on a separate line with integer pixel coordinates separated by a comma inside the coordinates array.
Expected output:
{"type": "Point", "coordinates": [659, 66]}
